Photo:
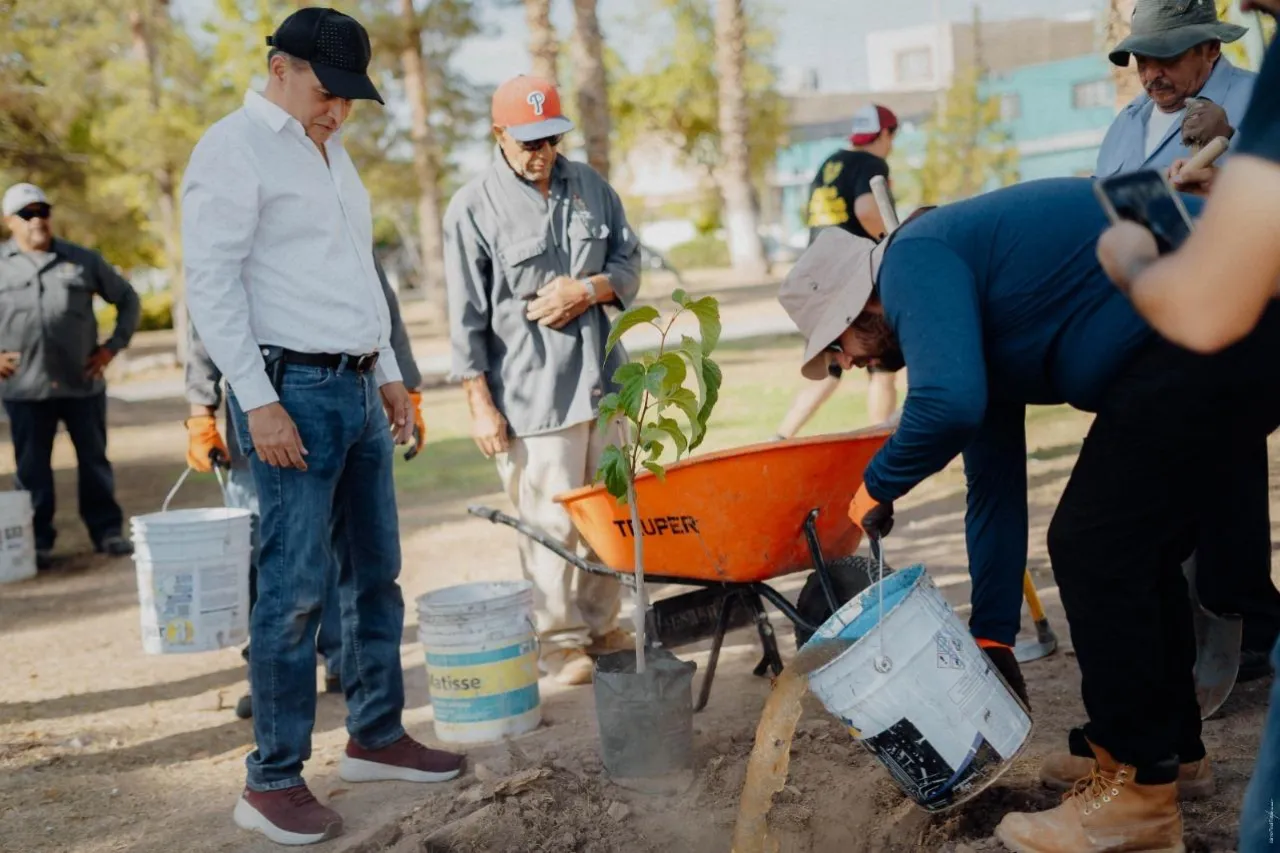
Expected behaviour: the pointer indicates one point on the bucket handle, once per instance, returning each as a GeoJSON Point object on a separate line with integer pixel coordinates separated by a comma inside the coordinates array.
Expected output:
{"type": "Point", "coordinates": [882, 662]}
{"type": "Point", "coordinates": [182, 478]}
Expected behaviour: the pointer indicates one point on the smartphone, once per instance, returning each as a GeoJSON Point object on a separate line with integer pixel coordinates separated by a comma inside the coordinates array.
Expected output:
{"type": "Point", "coordinates": [1146, 198]}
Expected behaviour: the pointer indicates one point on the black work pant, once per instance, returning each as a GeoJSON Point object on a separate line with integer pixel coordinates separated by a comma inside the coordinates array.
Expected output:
{"type": "Point", "coordinates": [33, 425]}
{"type": "Point", "coordinates": [1158, 465]}
{"type": "Point", "coordinates": [1233, 551]}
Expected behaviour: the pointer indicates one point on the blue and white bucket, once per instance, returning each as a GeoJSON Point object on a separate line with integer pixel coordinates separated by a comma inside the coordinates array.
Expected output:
{"type": "Point", "coordinates": [915, 690]}
{"type": "Point", "coordinates": [482, 660]}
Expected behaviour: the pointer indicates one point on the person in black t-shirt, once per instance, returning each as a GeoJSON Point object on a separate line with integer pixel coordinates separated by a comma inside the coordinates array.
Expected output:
{"type": "Point", "coordinates": [840, 197]}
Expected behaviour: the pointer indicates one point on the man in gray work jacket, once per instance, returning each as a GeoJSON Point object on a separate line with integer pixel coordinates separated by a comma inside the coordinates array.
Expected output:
{"type": "Point", "coordinates": [51, 364]}
{"type": "Point", "coordinates": [534, 249]}
{"type": "Point", "coordinates": [206, 448]}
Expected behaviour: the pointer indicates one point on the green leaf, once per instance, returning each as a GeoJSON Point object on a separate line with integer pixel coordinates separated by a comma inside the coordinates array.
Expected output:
{"type": "Point", "coordinates": [707, 310]}
{"type": "Point", "coordinates": [609, 407]}
{"type": "Point", "coordinates": [656, 469]}
{"type": "Point", "coordinates": [628, 320]}
{"type": "Point", "coordinates": [632, 396]}
{"type": "Point", "coordinates": [679, 296]}
{"type": "Point", "coordinates": [654, 449]}
{"type": "Point", "coordinates": [655, 378]}
{"type": "Point", "coordinates": [671, 428]}
{"type": "Point", "coordinates": [615, 472]}
{"type": "Point", "coordinates": [684, 399]}
{"type": "Point", "coordinates": [676, 371]}
{"type": "Point", "coordinates": [710, 396]}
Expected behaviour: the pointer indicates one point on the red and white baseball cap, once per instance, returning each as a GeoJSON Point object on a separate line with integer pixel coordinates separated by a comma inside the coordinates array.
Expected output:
{"type": "Point", "coordinates": [529, 108]}
{"type": "Point", "coordinates": [870, 121]}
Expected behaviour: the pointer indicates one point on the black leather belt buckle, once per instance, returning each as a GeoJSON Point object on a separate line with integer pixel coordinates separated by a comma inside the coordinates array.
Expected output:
{"type": "Point", "coordinates": [365, 363]}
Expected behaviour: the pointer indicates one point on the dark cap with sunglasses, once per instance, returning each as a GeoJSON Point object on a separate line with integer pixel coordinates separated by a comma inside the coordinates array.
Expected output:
{"type": "Point", "coordinates": [21, 199]}
{"type": "Point", "coordinates": [528, 108]}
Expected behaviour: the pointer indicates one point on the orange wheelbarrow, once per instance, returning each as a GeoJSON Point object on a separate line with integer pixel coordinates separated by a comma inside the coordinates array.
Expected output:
{"type": "Point", "coordinates": [729, 522]}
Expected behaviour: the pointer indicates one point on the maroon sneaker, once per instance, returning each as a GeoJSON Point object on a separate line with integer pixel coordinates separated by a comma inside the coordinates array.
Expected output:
{"type": "Point", "coordinates": [406, 760]}
{"type": "Point", "coordinates": [292, 816]}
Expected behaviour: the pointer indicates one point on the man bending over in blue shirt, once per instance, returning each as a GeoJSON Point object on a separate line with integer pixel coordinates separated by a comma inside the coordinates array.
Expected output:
{"type": "Point", "coordinates": [995, 304]}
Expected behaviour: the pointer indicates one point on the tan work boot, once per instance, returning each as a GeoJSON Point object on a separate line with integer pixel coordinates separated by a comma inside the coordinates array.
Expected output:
{"type": "Point", "coordinates": [1107, 811]}
{"type": "Point", "coordinates": [1062, 770]}
{"type": "Point", "coordinates": [616, 640]}
{"type": "Point", "coordinates": [570, 667]}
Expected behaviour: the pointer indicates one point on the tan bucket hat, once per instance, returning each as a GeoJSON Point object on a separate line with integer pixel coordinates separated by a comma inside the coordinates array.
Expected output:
{"type": "Point", "coordinates": [827, 290]}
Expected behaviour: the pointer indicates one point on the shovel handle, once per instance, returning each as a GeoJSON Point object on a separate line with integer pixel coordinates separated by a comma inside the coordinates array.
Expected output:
{"type": "Point", "coordinates": [1207, 155]}
{"type": "Point", "coordinates": [1033, 598]}
{"type": "Point", "coordinates": [880, 191]}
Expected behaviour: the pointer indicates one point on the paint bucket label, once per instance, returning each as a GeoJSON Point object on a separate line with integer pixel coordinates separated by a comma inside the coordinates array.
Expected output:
{"type": "Point", "coordinates": [483, 686]}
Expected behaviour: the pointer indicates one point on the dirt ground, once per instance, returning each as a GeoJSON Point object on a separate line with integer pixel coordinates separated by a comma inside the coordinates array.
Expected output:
{"type": "Point", "coordinates": [105, 749]}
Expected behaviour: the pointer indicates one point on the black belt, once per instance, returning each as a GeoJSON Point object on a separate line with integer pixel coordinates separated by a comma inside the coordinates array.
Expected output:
{"type": "Point", "coordinates": [333, 361]}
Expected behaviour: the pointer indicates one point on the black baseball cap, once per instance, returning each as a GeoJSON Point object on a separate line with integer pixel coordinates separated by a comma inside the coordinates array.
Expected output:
{"type": "Point", "coordinates": [337, 47]}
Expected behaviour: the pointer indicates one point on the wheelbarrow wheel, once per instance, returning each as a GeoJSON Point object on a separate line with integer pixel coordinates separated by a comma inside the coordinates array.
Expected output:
{"type": "Point", "coordinates": [849, 576]}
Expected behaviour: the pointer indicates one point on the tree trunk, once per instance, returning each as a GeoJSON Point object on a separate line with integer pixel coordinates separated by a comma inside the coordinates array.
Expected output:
{"type": "Point", "coordinates": [593, 89]}
{"type": "Point", "coordinates": [426, 161]}
{"type": "Point", "coordinates": [542, 38]}
{"type": "Point", "coordinates": [1126, 80]}
{"type": "Point", "coordinates": [741, 215]}
{"type": "Point", "coordinates": [142, 22]}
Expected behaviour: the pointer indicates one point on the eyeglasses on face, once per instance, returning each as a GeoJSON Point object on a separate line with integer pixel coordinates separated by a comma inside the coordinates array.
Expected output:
{"type": "Point", "coordinates": [834, 370]}
{"type": "Point", "coordinates": [35, 211]}
{"type": "Point", "coordinates": [536, 144]}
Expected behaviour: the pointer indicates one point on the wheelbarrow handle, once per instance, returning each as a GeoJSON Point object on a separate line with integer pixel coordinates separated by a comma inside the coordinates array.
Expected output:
{"type": "Point", "coordinates": [496, 517]}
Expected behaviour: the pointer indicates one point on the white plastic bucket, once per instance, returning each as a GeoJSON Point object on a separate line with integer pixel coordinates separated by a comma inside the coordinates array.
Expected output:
{"type": "Point", "coordinates": [17, 537]}
{"type": "Point", "coordinates": [193, 577]}
{"type": "Point", "coordinates": [915, 689]}
{"type": "Point", "coordinates": [482, 660]}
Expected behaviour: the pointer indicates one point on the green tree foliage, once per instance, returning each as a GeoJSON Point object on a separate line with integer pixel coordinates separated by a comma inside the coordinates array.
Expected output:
{"type": "Point", "coordinates": [967, 150]}
{"type": "Point", "coordinates": [675, 95]}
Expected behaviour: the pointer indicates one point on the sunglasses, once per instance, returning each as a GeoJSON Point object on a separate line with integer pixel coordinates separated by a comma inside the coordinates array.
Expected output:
{"type": "Point", "coordinates": [834, 370]}
{"type": "Point", "coordinates": [35, 211]}
{"type": "Point", "coordinates": [536, 144]}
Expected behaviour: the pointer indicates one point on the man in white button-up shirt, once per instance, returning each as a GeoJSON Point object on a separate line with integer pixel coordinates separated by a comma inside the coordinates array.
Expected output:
{"type": "Point", "coordinates": [281, 286]}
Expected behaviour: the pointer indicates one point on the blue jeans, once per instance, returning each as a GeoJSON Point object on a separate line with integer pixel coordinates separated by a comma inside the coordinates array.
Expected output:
{"type": "Point", "coordinates": [242, 494]}
{"type": "Point", "coordinates": [340, 420]}
{"type": "Point", "coordinates": [1258, 830]}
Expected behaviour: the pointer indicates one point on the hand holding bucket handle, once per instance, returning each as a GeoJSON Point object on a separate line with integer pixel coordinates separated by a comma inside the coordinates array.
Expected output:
{"type": "Point", "coordinates": [182, 478]}
{"type": "Point", "coordinates": [872, 516]}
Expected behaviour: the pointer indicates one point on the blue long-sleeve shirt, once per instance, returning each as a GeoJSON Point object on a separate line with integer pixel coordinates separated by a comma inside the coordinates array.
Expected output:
{"type": "Point", "coordinates": [998, 303]}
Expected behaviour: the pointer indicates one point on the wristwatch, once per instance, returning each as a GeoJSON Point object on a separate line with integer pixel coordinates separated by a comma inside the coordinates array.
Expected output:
{"type": "Point", "coordinates": [592, 294]}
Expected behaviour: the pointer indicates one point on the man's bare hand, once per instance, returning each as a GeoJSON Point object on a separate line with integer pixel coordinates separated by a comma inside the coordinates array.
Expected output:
{"type": "Point", "coordinates": [98, 361]}
{"type": "Point", "coordinates": [275, 437]}
{"type": "Point", "coordinates": [9, 362]}
{"type": "Point", "coordinates": [559, 302]}
{"type": "Point", "coordinates": [395, 399]}
{"type": "Point", "coordinates": [489, 429]}
{"type": "Point", "coordinates": [1125, 249]}
{"type": "Point", "coordinates": [1197, 182]}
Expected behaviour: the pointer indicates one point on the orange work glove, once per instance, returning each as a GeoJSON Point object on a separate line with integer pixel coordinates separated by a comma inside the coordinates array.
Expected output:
{"type": "Point", "coordinates": [419, 426]}
{"type": "Point", "coordinates": [203, 442]}
{"type": "Point", "coordinates": [875, 518]}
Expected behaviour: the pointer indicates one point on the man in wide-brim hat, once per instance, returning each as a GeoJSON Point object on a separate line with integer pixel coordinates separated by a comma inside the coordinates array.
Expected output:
{"type": "Point", "coordinates": [1177, 45]}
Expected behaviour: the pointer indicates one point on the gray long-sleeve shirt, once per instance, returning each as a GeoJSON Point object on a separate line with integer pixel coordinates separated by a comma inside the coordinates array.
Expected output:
{"type": "Point", "coordinates": [46, 314]}
{"type": "Point", "coordinates": [204, 380]}
{"type": "Point", "coordinates": [504, 241]}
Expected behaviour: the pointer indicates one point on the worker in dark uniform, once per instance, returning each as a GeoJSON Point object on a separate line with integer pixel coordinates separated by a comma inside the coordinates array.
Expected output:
{"type": "Point", "coordinates": [840, 197]}
{"type": "Point", "coordinates": [53, 364]}
{"type": "Point", "coordinates": [206, 448]}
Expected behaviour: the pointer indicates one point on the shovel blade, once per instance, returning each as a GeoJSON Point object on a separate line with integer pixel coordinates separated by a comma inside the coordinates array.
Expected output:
{"type": "Point", "coordinates": [1218, 641]}
{"type": "Point", "coordinates": [1045, 644]}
